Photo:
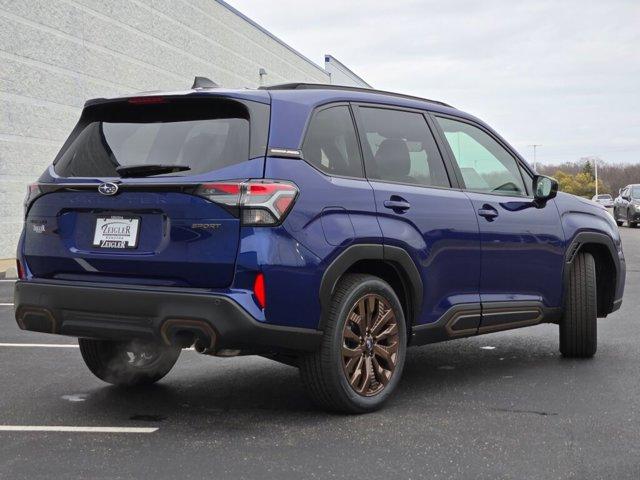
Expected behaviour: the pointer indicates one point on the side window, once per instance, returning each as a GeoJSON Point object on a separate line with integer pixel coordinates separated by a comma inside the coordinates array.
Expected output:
{"type": "Point", "coordinates": [401, 148]}
{"type": "Point", "coordinates": [485, 165]}
{"type": "Point", "coordinates": [331, 144]}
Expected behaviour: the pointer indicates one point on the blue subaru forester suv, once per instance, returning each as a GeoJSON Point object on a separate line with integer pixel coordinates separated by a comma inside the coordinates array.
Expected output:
{"type": "Point", "coordinates": [324, 227]}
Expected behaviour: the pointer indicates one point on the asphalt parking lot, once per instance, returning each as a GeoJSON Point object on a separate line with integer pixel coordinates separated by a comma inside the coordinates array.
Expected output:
{"type": "Point", "coordinates": [504, 405]}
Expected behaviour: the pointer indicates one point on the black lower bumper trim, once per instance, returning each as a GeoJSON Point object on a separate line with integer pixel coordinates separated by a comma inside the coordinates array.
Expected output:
{"type": "Point", "coordinates": [468, 319]}
{"type": "Point", "coordinates": [108, 311]}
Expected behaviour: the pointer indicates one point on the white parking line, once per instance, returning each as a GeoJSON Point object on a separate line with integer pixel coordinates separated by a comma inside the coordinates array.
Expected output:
{"type": "Point", "coordinates": [46, 428]}
{"type": "Point", "coordinates": [42, 345]}
{"type": "Point", "coordinates": [6, 304]}
{"type": "Point", "coordinates": [56, 345]}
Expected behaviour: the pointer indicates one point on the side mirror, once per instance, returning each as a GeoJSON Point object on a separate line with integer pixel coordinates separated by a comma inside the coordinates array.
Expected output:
{"type": "Point", "coordinates": [544, 189]}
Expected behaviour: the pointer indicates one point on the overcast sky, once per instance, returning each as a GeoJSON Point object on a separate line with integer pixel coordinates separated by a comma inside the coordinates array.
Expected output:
{"type": "Point", "coordinates": [565, 74]}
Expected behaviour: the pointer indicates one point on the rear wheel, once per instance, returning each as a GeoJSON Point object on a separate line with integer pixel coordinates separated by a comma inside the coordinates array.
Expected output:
{"type": "Point", "coordinates": [128, 363]}
{"type": "Point", "coordinates": [633, 224]}
{"type": "Point", "coordinates": [619, 222]}
{"type": "Point", "coordinates": [578, 328]}
{"type": "Point", "coordinates": [360, 361]}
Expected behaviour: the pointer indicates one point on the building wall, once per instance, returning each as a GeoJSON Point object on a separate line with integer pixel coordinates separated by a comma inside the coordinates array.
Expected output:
{"type": "Point", "coordinates": [341, 74]}
{"type": "Point", "coordinates": [55, 54]}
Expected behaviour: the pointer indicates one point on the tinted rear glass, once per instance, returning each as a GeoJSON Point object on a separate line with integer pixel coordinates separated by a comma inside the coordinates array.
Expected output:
{"type": "Point", "coordinates": [203, 136]}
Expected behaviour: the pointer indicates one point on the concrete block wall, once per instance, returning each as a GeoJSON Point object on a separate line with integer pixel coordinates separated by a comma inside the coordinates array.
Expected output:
{"type": "Point", "coordinates": [341, 74]}
{"type": "Point", "coordinates": [55, 54]}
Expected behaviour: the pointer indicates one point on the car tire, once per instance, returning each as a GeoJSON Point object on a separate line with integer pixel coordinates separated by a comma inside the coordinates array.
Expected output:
{"type": "Point", "coordinates": [128, 363]}
{"type": "Point", "coordinates": [578, 327]}
{"type": "Point", "coordinates": [615, 216]}
{"type": "Point", "coordinates": [633, 224]}
{"type": "Point", "coordinates": [360, 360]}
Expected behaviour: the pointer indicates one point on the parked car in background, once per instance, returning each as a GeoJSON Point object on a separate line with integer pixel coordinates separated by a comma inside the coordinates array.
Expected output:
{"type": "Point", "coordinates": [324, 227]}
{"type": "Point", "coordinates": [626, 206]}
{"type": "Point", "coordinates": [604, 199]}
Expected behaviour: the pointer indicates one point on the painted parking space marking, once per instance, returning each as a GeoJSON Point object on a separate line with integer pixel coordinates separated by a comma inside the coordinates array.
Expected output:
{"type": "Point", "coordinates": [6, 304]}
{"type": "Point", "coordinates": [54, 428]}
{"type": "Point", "coordinates": [39, 345]}
{"type": "Point", "coordinates": [59, 345]}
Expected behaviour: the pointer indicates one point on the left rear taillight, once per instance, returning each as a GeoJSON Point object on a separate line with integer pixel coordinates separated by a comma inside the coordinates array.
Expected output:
{"type": "Point", "coordinates": [34, 190]}
{"type": "Point", "coordinates": [258, 202]}
{"type": "Point", "coordinates": [21, 273]}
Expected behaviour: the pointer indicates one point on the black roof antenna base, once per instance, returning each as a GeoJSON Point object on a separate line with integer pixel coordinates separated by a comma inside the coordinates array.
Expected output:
{"type": "Point", "coordinates": [203, 82]}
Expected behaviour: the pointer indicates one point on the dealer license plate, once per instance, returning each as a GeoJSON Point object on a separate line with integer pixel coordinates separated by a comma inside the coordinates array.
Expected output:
{"type": "Point", "coordinates": [116, 232]}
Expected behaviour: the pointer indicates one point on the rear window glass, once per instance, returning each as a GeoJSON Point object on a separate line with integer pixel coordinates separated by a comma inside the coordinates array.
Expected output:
{"type": "Point", "coordinates": [200, 137]}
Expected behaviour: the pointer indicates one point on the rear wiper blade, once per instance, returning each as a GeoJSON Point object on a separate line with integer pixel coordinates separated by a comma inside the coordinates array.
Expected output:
{"type": "Point", "coordinates": [148, 170]}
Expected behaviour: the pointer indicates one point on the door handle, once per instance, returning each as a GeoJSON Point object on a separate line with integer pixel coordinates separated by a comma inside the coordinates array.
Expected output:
{"type": "Point", "coordinates": [397, 204]}
{"type": "Point", "coordinates": [488, 212]}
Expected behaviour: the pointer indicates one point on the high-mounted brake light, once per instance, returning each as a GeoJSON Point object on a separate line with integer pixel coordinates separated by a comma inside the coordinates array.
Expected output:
{"type": "Point", "coordinates": [259, 202]}
{"type": "Point", "coordinates": [146, 100]}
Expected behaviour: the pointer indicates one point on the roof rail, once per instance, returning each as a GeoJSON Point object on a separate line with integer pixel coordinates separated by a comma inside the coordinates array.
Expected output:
{"type": "Point", "coordinates": [324, 86]}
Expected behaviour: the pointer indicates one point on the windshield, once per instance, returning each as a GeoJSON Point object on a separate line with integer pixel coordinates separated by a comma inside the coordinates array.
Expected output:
{"type": "Point", "coordinates": [139, 136]}
{"type": "Point", "coordinates": [604, 197]}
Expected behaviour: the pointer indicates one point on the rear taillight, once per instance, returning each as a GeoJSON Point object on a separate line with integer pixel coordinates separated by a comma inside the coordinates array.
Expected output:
{"type": "Point", "coordinates": [259, 202]}
{"type": "Point", "coordinates": [34, 190]}
{"type": "Point", "coordinates": [21, 273]}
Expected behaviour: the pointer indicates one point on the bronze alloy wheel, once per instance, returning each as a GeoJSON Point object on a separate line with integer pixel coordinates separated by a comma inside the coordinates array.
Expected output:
{"type": "Point", "coordinates": [370, 344]}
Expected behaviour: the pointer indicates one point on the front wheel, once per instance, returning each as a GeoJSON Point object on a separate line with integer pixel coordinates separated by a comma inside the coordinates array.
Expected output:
{"type": "Point", "coordinates": [361, 358]}
{"type": "Point", "coordinates": [130, 363]}
{"type": "Point", "coordinates": [578, 327]}
{"type": "Point", "coordinates": [615, 216]}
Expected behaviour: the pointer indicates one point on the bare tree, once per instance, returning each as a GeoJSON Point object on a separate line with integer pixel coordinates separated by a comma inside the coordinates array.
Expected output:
{"type": "Point", "coordinates": [612, 176]}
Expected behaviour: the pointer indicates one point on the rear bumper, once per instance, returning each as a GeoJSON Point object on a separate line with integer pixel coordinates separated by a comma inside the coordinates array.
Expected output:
{"type": "Point", "coordinates": [114, 312]}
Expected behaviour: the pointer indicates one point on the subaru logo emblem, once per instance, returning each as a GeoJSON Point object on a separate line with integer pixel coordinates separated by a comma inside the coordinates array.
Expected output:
{"type": "Point", "coordinates": [108, 188]}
